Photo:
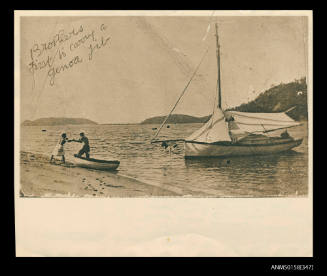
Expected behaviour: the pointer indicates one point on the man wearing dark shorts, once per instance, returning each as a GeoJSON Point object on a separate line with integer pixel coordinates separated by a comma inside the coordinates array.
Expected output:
{"type": "Point", "coordinates": [86, 147]}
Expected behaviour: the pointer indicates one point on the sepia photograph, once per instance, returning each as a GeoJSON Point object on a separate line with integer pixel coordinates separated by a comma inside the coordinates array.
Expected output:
{"type": "Point", "coordinates": [163, 133]}
{"type": "Point", "coordinates": [139, 106]}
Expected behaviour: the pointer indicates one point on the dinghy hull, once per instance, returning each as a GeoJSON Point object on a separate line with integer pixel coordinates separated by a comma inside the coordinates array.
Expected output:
{"type": "Point", "coordinates": [198, 149]}
{"type": "Point", "coordinates": [95, 164]}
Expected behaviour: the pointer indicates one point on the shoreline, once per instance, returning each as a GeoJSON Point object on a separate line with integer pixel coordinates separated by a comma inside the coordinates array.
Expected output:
{"type": "Point", "coordinates": [39, 178]}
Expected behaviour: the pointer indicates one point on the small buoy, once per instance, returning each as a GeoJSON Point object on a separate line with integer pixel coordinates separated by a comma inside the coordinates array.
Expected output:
{"type": "Point", "coordinates": [154, 128]}
{"type": "Point", "coordinates": [44, 130]}
{"type": "Point", "coordinates": [228, 161]}
{"type": "Point", "coordinates": [168, 126]}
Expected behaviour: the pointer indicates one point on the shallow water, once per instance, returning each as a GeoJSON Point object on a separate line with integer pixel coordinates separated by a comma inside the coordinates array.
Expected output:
{"type": "Point", "coordinates": [284, 174]}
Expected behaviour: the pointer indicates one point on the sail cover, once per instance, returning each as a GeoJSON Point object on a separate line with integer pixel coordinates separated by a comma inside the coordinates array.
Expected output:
{"type": "Point", "coordinates": [261, 122]}
{"type": "Point", "coordinates": [216, 129]}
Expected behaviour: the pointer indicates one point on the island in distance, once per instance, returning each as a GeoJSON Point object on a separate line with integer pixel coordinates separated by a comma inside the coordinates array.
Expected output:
{"type": "Point", "coordinates": [176, 119]}
{"type": "Point", "coordinates": [278, 98]}
{"type": "Point", "coordinates": [58, 121]}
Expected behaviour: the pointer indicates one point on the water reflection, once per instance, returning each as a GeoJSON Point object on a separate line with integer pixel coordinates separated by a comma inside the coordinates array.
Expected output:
{"type": "Point", "coordinates": [269, 175]}
{"type": "Point", "coordinates": [240, 162]}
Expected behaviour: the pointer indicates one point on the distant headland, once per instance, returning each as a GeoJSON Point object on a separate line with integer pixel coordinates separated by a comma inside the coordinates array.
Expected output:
{"type": "Point", "coordinates": [55, 121]}
{"type": "Point", "coordinates": [278, 98]}
{"type": "Point", "coordinates": [176, 119]}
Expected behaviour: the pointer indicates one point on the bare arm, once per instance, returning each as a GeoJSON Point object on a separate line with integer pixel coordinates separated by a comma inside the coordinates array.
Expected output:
{"type": "Point", "coordinates": [73, 140]}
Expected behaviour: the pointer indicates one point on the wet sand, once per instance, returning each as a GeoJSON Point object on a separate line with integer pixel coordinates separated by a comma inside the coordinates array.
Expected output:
{"type": "Point", "coordinates": [40, 178]}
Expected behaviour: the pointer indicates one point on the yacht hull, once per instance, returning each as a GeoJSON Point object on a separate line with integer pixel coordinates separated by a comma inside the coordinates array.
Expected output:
{"type": "Point", "coordinates": [198, 149]}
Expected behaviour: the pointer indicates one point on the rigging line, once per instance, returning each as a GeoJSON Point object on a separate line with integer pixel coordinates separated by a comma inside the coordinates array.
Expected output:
{"type": "Point", "coordinates": [268, 124]}
{"type": "Point", "coordinates": [196, 69]}
{"type": "Point", "coordinates": [265, 131]}
{"type": "Point", "coordinates": [269, 130]}
{"type": "Point", "coordinates": [226, 105]}
{"type": "Point", "coordinates": [213, 110]}
{"type": "Point", "coordinates": [280, 128]}
{"type": "Point", "coordinates": [270, 138]}
{"type": "Point", "coordinates": [239, 113]}
{"type": "Point", "coordinates": [209, 26]}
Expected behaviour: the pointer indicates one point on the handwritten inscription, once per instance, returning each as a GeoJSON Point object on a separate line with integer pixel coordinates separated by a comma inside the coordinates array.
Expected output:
{"type": "Point", "coordinates": [97, 46]}
{"type": "Point", "coordinates": [66, 50]}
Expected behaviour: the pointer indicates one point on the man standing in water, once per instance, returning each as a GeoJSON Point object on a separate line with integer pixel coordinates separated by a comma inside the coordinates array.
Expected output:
{"type": "Point", "coordinates": [86, 147]}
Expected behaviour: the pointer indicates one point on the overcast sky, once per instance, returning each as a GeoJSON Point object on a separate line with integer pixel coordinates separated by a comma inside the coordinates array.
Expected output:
{"type": "Point", "coordinates": [144, 63]}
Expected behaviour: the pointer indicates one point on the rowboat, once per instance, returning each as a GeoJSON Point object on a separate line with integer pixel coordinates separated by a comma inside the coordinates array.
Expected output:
{"type": "Point", "coordinates": [96, 164]}
{"type": "Point", "coordinates": [234, 133]}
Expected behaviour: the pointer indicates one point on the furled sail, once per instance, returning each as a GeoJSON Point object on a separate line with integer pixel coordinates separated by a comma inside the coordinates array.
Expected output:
{"type": "Point", "coordinates": [216, 129]}
{"type": "Point", "coordinates": [260, 122]}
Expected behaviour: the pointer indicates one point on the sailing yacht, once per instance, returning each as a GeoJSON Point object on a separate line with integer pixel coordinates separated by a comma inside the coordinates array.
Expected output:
{"type": "Point", "coordinates": [233, 133]}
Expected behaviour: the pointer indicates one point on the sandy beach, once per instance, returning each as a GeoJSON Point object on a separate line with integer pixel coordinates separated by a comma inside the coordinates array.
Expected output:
{"type": "Point", "coordinates": [40, 178]}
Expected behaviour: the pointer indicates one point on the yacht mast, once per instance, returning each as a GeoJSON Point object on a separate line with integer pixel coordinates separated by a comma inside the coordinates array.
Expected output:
{"type": "Point", "coordinates": [218, 66]}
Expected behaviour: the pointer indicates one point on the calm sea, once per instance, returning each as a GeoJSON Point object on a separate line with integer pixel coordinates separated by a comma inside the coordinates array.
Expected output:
{"type": "Point", "coordinates": [284, 174]}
